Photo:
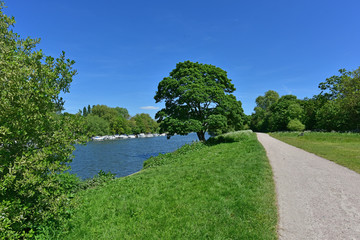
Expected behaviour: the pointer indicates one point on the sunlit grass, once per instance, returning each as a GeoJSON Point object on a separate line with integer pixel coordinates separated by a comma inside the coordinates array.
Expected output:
{"type": "Point", "coordinates": [342, 148]}
{"type": "Point", "coordinates": [223, 191]}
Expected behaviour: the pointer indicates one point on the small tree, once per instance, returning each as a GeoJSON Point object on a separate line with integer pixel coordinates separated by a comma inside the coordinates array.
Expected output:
{"type": "Point", "coordinates": [84, 112]}
{"type": "Point", "coordinates": [196, 99]}
{"type": "Point", "coordinates": [295, 125]}
{"type": "Point", "coordinates": [35, 142]}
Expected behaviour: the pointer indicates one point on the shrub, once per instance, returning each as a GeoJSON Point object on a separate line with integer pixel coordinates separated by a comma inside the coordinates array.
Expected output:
{"type": "Point", "coordinates": [36, 142]}
{"type": "Point", "coordinates": [230, 137]}
{"type": "Point", "coordinates": [295, 125]}
{"type": "Point", "coordinates": [100, 179]}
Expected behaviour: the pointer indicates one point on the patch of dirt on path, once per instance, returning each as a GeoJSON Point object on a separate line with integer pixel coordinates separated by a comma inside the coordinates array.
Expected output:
{"type": "Point", "coordinates": [317, 199]}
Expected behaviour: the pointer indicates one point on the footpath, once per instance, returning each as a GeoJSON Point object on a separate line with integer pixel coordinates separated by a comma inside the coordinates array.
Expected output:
{"type": "Point", "coordinates": [317, 199]}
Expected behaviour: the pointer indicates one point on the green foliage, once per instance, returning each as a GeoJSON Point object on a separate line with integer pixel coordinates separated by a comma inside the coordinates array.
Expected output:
{"type": "Point", "coordinates": [216, 124]}
{"type": "Point", "coordinates": [286, 108]}
{"type": "Point", "coordinates": [36, 143]}
{"type": "Point", "coordinates": [123, 112]}
{"type": "Point", "coordinates": [337, 107]}
{"type": "Point", "coordinates": [311, 107]}
{"type": "Point", "coordinates": [265, 102]}
{"type": "Point", "coordinates": [223, 191]}
{"type": "Point", "coordinates": [295, 125]}
{"type": "Point", "coordinates": [341, 98]}
{"type": "Point", "coordinates": [260, 119]}
{"type": "Point", "coordinates": [105, 112]}
{"type": "Point", "coordinates": [143, 123]}
{"type": "Point", "coordinates": [329, 116]}
{"type": "Point", "coordinates": [88, 109]}
{"type": "Point", "coordinates": [73, 186]}
{"type": "Point", "coordinates": [232, 116]}
{"type": "Point", "coordinates": [193, 94]}
{"type": "Point", "coordinates": [274, 114]}
{"type": "Point", "coordinates": [100, 179]}
{"type": "Point", "coordinates": [114, 118]}
{"type": "Point", "coordinates": [231, 137]}
{"type": "Point", "coordinates": [97, 126]}
{"type": "Point", "coordinates": [104, 120]}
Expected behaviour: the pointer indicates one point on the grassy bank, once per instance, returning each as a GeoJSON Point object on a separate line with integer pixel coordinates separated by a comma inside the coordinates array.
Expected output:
{"type": "Point", "coordinates": [342, 148]}
{"type": "Point", "coordinates": [222, 191]}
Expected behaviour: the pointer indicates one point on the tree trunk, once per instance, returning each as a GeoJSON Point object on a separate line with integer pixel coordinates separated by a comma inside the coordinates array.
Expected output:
{"type": "Point", "coordinates": [201, 136]}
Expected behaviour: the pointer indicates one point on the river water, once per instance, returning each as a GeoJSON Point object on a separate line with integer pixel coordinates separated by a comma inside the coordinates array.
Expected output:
{"type": "Point", "coordinates": [123, 156]}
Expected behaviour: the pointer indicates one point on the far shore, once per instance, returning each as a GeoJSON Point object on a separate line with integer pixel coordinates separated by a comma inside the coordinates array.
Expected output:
{"type": "Point", "coordinates": [124, 136]}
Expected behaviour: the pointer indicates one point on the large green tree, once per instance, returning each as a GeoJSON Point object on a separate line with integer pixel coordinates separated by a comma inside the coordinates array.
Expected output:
{"type": "Point", "coordinates": [35, 143]}
{"type": "Point", "coordinates": [260, 119]}
{"type": "Point", "coordinates": [341, 108]}
{"type": "Point", "coordinates": [267, 100]}
{"type": "Point", "coordinates": [197, 99]}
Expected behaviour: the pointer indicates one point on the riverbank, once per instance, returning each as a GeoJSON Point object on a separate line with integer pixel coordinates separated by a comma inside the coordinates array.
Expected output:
{"type": "Point", "coordinates": [218, 191]}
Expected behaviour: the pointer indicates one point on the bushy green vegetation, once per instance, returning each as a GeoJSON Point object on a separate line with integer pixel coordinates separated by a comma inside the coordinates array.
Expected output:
{"type": "Point", "coordinates": [231, 137]}
{"type": "Point", "coordinates": [71, 185]}
{"type": "Point", "coordinates": [213, 191]}
{"type": "Point", "coordinates": [295, 125]}
{"type": "Point", "coordinates": [342, 148]}
{"type": "Point", "coordinates": [103, 120]}
{"type": "Point", "coordinates": [36, 142]}
{"type": "Point", "coordinates": [337, 107]}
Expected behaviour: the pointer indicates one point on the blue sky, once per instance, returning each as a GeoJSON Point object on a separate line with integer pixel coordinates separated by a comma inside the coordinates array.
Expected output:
{"type": "Point", "coordinates": [123, 49]}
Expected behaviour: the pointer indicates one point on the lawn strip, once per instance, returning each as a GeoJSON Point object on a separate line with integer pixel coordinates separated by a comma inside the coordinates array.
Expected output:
{"type": "Point", "coordinates": [342, 148]}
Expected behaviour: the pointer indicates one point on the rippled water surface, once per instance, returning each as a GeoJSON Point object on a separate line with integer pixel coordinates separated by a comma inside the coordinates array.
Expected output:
{"type": "Point", "coordinates": [123, 156]}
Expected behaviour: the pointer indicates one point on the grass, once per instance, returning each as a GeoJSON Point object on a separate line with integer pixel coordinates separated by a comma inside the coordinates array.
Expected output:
{"type": "Point", "coordinates": [342, 148]}
{"type": "Point", "coordinates": [201, 191]}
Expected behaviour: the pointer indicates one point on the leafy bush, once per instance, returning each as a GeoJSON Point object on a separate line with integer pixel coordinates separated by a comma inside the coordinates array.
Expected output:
{"type": "Point", "coordinates": [36, 142]}
{"type": "Point", "coordinates": [230, 137]}
{"type": "Point", "coordinates": [295, 125]}
{"type": "Point", "coordinates": [71, 185]}
{"type": "Point", "coordinates": [100, 179]}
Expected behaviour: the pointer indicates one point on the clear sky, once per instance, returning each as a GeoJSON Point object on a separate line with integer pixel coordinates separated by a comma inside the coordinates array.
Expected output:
{"type": "Point", "coordinates": [123, 49]}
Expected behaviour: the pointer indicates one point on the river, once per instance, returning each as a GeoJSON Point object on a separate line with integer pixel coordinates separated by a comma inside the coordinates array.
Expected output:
{"type": "Point", "coordinates": [124, 156]}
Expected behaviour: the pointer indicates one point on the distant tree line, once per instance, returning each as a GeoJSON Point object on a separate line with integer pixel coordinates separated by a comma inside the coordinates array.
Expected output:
{"type": "Point", "coordinates": [104, 120]}
{"type": "Point", "coordinates": [336, 107]}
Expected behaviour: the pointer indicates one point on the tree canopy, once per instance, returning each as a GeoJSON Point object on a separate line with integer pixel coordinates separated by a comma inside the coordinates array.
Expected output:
{"type": "Point", "coordinates": [198, 99]}
{"type": "Point", "coordinates": [340, 98]}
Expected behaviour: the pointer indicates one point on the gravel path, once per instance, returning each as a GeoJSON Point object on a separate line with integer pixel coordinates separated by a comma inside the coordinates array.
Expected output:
{"type": "Point", "coordinates": [317, 199]}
